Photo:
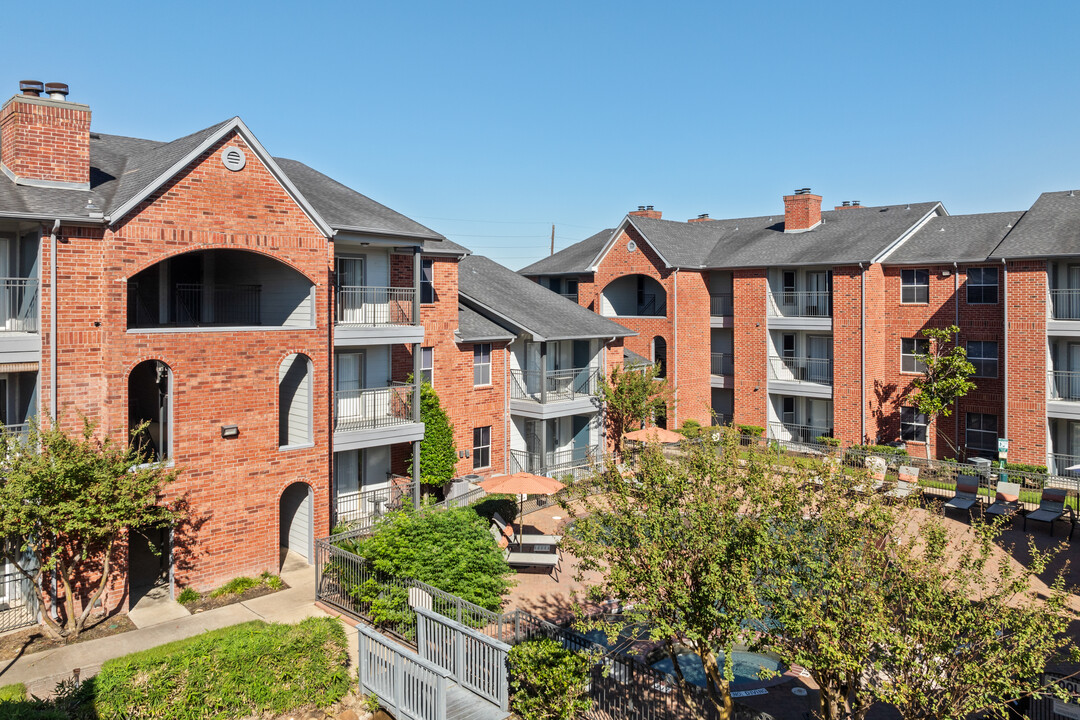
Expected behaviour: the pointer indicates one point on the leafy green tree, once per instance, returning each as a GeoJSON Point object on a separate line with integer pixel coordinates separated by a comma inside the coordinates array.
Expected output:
{"type": "Point", "coordinates": [682, 545]}
{"type": "Point", "coordinates": [971, 632]}
{"type": "Point", "coordinates": [66, 502]}
{"type": "Point", "coordinates": [945, 379]}
{"type": "Point", "coordinates": [632, 397]}
{"type": "Point", "coordinates": [549, 682]}
{"type": "Point", "coordinates": [451, 550]}
{"type": "Point", "coordinates": [438, 454]}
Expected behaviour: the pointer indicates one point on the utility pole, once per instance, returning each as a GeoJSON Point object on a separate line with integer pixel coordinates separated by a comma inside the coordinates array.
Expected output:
{"type": "Point", "coordinates": [552, 238]}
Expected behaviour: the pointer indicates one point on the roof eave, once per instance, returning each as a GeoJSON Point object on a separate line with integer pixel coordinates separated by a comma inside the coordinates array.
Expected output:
{"type": "Point", "coordinates": [359, 230]}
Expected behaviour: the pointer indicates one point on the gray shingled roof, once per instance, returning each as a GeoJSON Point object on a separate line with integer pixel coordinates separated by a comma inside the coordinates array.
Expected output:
{"type": "Point", "coordinates": [121, 167]}
{"type": "Point", "coordinates": [632, 359]}
{"type": "Point", "coordinates": [499, 292]}
{"type": "Point", "coordinates": [474, 327]}
{"type": "Point", "coordinates": [844, 237]}
{"type": "Point", "coordinates": [1051, 228]}
{"type": "Point", "coordinates": [444, 247]}
{"type": "Point", "coordinates": [955, 238]}
{"type": "Point", "coordinates": [573, 259]}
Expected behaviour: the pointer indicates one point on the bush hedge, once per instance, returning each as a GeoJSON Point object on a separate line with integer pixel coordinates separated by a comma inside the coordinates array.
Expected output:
{"type": "Point", "coordinates": [549, 682]}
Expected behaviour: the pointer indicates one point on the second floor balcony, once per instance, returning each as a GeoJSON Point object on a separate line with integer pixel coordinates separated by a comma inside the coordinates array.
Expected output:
{"type": "Point", "coordinates": [1064, 384]}
{"type": "Point", "coordinates": [802, 369]}
{"type": "Point", "coordinates": [366, 305]}
{"type": "Point", "coordinates": [19, 305]}
{"type": "Point", "coordinates": [575, 461]}
{"type": "Point", "coordinates": [721, 304]}
{"type": "Point", "coordinates": [1065, 304]}
{"type": "Point", "coordinates": [722, 364]}
{"type": "Point", "coordinates": [553, 386]}
{"type": "Point", "coordinates": [373, 408]}
{"type": "Point", "coordinates": [802, 303]}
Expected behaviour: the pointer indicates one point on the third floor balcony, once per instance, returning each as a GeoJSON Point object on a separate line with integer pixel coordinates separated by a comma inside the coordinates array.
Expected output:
{"type": "Point", "coordinates": [366, 305]}
{"type": "Point", "coordinates": [19, 305]}
{"type": "Point", "coordinates": [554, 386]}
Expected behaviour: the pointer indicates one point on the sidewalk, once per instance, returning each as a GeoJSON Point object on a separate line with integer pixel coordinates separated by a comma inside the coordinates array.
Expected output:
{"type": "Point", "coordinates": [41, 671]}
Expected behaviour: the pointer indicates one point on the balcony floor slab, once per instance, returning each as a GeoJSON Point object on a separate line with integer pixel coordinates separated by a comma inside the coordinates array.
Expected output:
{"type": "Point", "coordinates": [374, 437]}
{"type": "Point", "coordinates": [805, 389]}
{"type": "Point", "coordinates": [354, 335]}
{"type": "Point", "coordinates": [537, 411]}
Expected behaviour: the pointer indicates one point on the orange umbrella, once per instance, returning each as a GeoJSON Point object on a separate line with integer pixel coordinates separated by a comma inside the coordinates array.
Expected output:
{"type": "Point", "coordinates": [522, 483]}
{"type": "Point", "coordinates": [653, 434]}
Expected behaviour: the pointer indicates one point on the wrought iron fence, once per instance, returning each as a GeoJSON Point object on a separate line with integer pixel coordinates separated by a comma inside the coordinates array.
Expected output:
{"type": "Point", "coordinates": [722, 364]}
{"type": "Point", "coordinates": [200, 304]}
{"type": "Point", "coordinates": [19, 309]}
{"type": "Point", "coordinates": [721, 305]}
{"type": "Point", "coordinates": [18, 601]}
{"type": "Point", "coordinates": [546, 386]}
{"type": "Point", "coordinates": [1064, 384]}
{"type": "Point", "coordinates": [802, 369]}
{"type": "Point", "coordinates": [1065, 304]}
{"type": "Point", "coordinates": [803, 303]}
{"type": "Point", "coordinates": [366, 305]}
{"type": "Point", "coordinates": [795, 433]}
{"type": "Point", "coordinates": [361, 509]}
{"type": "Point", "coordinates": [370, 408]}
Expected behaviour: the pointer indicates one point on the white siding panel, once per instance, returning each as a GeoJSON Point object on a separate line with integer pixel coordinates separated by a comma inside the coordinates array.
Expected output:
{"type": "Point", "coordinates": [294, 392]}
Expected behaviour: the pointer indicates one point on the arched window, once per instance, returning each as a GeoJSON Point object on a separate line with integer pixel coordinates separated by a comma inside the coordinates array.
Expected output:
{"type": "Point", "coordinates": [659, 355]}
{"type": "Point", "coordinates": [294, 401]}
{"type": "Point", "coordinates": [150, 406]}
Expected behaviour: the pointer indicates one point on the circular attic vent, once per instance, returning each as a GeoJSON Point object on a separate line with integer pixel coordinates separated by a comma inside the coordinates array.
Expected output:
{"type": "Point", "coordinates": [233, 158]}
{"type": "Point", "coordinates": [631, 246]}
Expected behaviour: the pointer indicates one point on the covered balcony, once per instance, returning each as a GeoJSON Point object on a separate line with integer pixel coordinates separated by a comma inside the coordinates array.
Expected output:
{"type": "Point", "coordinates": [798, 433]}
{"type": "Point", "coordinates": [721, 304]}
{"type": "Point", "coordinates": [722, 364]}
{"type": "Point", "coordinates": [633, 296]}
{"type": "Point", "coordinates": [20, 341]}
{"type": "Point", "coordinates": [1063, 283]}
{"type": "Point", "coordinates": [371, 408]}
{"type": "Point", "coordinates": [576, 461]}
{"type": "Point", "coordinates": [370, 307]}
{"type": "Point", "coordinates": [799, 420]}
{"type": "Point", "coordinates": [1063, 378]}
{"type": "Point", "coordinates": [547, 386]}
{"type": "Point", "coordinates": [554, 378]}
{"type": "Point", "coordinates": [801, 369]}
{"type": "Point", "coordinates": [800, 299]}
{"type": "Point", "coordinates": [1064, 447]}
{"type": "Point", "coordinates": [365, 305]}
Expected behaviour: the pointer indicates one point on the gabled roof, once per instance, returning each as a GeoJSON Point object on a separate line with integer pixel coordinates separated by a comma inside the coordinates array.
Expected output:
{"type": "Point", "coordinates": [474, 327]}
{"type": "Point", "coordinates": [955, 238]}
{"type": "Point", "coordinates": [125, 171]}
{"type": "Point", "coordinates": [571, 260]}
{"type": "Point", "coordinates": [512, 300]}
{"type": "Point", "coordinates": [1051, 228]}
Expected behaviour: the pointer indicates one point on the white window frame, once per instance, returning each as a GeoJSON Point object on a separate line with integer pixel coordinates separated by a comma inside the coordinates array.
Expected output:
{"type": "Point", "coordinates": [915, 424]}
{"type": "Point", "coordinates": [427, 270]}
{"type": "Point", "coordinates": [920, 347]}
{"type": "Point", "coordinates": [980, 360]}
{"type": "Point", "coordinates": [910, 286]}
{"type": "Point", "coordinates": [427, 364]}
{"type": "Point", "coordinates": [982, 285]}
{"type": "Point", "coordinates": [480, 365]}
{"type": "Point", "coordinates": [477, 449]}
{"type": "Point", "coordinates": [990, 447]}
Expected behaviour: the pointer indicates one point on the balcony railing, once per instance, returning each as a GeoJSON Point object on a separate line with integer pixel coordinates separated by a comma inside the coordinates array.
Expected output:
{"type": "Point", "coordinates": [1064, 385]}
{"type": "Point", "coordinates": [1059, 462]}
{"type": "Point", "coordinates": [722, 364]}
{"type": "Point", "coordinates": [371, 408]}
{"type": "Point", "coordinates": [19, 309]}
{"type": "Point", "coordinates": [720, 304]}
{"type": "Point", "coordinates": [367, 505]}
{"type": "Point", "coordinates": [364, 305]}
{"type": "Point", "coordinates": [200, 304]}
{"type": "Point", "coordinates": [804, 303]}
{"type": "Point", "coordinates": [1065, 304]}
{"type": "Point", "coordinates": [572, 296]}
{"type": "Point", "coordinates": [18, 430]}
{"type": "Point", "coordinates": [576, 461]}
{"type": "Point", "coordinates": [802, 369]}
{"type": "Point", "coordinates": [649, 305]}
{"type": "Point", "coordinates": [545, 386]}
{"type": "Point", "coordinates": [790, 432]}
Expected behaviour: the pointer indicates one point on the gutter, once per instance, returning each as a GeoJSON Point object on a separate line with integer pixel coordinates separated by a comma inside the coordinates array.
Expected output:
{"type": "Point", "coordinates": [52, 321]}
{"type": "Point", "coordinates": [1005, 359]}
{"type": "Point", "coordinates": [862, 354]}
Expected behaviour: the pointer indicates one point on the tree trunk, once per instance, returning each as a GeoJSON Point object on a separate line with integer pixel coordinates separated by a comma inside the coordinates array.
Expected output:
{"type": "Point", "coordinates": [721, 696]}
{"type": "Point", "coordinates": [684, 687]}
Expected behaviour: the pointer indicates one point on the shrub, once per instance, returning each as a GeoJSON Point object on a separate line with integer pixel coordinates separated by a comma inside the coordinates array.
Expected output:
{"type": "Point", "coordinates": [235, 586]}
{"type": "Point", "coordinates": [16, 691]}
{"type": "Point", "coordinates": [751, 430]}
{"type": "Point", "coordinates": [1024, 467]}
{"type": "Point", "coordinates": [188, 595]}
{"type": "Point", "coordinates": [505, 505]}
{"type": "Point", "coordinates": [549, 682]}
{"type": "Point", "coordinates": [826, 440]}
{"type": "Point", "coordinates": [452, 550]}
{"type": "Point", "coordinates": [240, 671]}
{"type": "Point", "coordinates": [880, 450]}
{"type": "Point", "coordinates": [691, 429]}
{"type": "Point", "coordinates": [438, 455]}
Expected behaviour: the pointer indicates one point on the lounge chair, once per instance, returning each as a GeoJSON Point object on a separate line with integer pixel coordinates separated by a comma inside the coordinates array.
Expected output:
{"type": "Point", "coordinates": [523, 538]}
{"type": "Point", "coordinates": [907, 483]}
{"type": "Point", "coordinates": [877, 467]}
{"type": "Point", "coordinates": [513, 558]}
{"type": "Point", "coordinates": [1006, 500]}
{"type": "Point", "coordinates": [967, 493]}
{"type": "Point", "coordinates": [1051, 508]}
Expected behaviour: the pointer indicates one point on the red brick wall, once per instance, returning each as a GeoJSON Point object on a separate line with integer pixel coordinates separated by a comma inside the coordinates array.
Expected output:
{"type": "Point", "coordinates": [46, 139]}
{"type": "Point", "coordinates": [694, 348]}
{"type": "Point", "coordinates": [219, 378]}
{"type": "Point", "coordinates": [749, 289]}
{"type": "Point", "coordinates": [848, 407]}
{"type": "Point", "coordinates": [1026, 361]}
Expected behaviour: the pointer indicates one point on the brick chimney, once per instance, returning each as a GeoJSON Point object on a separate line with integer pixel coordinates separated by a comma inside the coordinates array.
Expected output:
{"type": "Point", "coordinates": [802, 211]}
{"type": "Point", "coordinates": [45, 141]}
{"type": "Point", "coordinates": [848, 204]}
{"type": "Point", "coordinates": [646, 211]}
{"type": "Point", "coordinates": [703, 217]}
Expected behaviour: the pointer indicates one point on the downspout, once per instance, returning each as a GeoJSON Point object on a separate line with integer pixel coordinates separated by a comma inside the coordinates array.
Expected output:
{"type": "Point", "coordinates": [416, 375]}
{"type": "Point", "coordinates": [1005, 359]}
{"type": "Point", "coordinates": [506, 409]}
{"type": "Point", "coordinates": [956, 322]}
{"type": "Point", "coordinates": [862, 354]}
{"type": "Point", "coordinates": [52, 321]}
{"type": "Point", "coordinates": [675, 353]}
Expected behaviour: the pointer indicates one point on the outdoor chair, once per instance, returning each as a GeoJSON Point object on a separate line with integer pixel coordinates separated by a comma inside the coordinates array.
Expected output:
{"type": "Point", "coordinates": [1051, 508]}
{"type": "Point", "coordinates": [514, 558]}
{"type": "Point", "coordinates": [906, 484]}
{"type": "Point", "coordinates": [523, 538]}
{"type": "Point", "coordinates": [967, 493]}
{"type": "Point", "coordinates": [1006, 500]}
{"type": "Point", "coordinates": [877, 467]}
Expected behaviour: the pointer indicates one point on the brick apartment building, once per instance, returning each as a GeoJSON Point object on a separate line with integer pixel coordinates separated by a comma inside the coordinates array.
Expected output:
{"type": "Point", "coordinates": [807, 322]}
{"type": "Point", "coordinates": [265, 321]}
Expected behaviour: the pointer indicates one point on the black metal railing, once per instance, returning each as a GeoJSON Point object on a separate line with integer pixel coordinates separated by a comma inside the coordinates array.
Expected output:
{"type": "Point", "coordinates": [802, 369]}
{"type": "Point", "coordinates": [803, 303]}
{"type": "Point", "coordinates": [366, 305]}
{"type": "Point", "coordinates": [722, 364]}
{"type": "Point", "coordinates": [546, 386]}
{"type": "Point", "coordinates": [370, 408]}
{"type": "Point", "coordinates": [721, 304]}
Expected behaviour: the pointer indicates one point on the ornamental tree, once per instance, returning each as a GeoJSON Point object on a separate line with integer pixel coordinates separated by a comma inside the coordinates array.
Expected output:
{"type": "Point", "coordinates": [945, 379]}
{"type": "Point", "coordinates": [632, 397]}
{"type": "Point", "coordinates": [66, 502]}
{"type": "Point", "coordinates": [438, 455]}
{"type": "Point", "coordinates": [548, 681]}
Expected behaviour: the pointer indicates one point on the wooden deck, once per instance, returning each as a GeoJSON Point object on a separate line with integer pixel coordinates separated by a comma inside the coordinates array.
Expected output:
{"type": "Point", "coordinates": [462, 704]}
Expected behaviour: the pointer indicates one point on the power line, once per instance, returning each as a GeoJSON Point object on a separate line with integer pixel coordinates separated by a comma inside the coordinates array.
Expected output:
{"type": "Point", "coordinates": [501, 222]}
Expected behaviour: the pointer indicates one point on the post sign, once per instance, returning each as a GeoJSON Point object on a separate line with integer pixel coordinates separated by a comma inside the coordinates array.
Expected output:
{"type": "Point", "coordinates": [1003, 448]}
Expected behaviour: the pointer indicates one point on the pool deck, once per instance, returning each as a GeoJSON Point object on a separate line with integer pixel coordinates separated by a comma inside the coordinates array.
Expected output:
{"type": "Point", "coordinates": [553, 597]}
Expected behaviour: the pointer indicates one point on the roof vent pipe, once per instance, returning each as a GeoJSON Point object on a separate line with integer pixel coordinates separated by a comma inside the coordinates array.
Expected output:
{"type": "Point", "coordinates": [641, 208]}
{"type": "Point", "coordinates": [845, 204]}
{"type": "Point", "coordinates": [856, 203]}
{"type": "Point", "coordinates": [31, 88]}
{"type": "Point", "coordinates": [57, 91]}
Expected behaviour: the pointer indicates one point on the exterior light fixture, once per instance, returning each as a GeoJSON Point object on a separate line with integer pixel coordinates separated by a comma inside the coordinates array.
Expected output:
{"type": "Point", "coordinates": [230, 431]}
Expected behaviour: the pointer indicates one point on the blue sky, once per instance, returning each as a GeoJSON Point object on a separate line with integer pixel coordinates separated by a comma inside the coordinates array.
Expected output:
{"type": "Point", "coordinates": [489, 121]}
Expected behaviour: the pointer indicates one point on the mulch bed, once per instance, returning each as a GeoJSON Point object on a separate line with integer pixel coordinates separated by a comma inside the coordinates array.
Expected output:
{"type": "Point", "coordinates": [35, 639]}
{"type": "Point", "coordinates": [209, 603]}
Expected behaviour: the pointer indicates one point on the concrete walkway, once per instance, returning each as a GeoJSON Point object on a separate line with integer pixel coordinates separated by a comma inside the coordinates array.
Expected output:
{"type": "Point", "coordinates": [41, 671]}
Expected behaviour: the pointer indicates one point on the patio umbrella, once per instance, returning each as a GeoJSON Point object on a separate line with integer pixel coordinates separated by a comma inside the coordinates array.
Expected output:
{"type": "Point", "coordinates": [653, 434]}
{"type": "Point", "coordinates": [522, 483]}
